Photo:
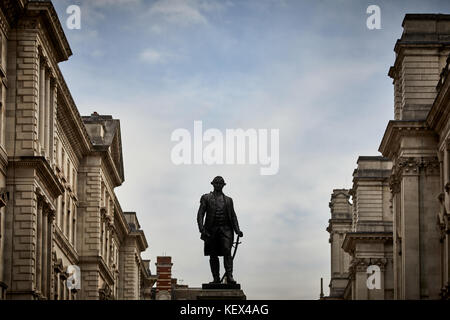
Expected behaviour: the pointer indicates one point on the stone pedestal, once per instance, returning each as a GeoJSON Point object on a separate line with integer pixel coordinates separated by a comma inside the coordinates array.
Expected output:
{"type": "Point", "coordinates": [221, 286]}
{"type": "Point", "coordinates": [210, 291]}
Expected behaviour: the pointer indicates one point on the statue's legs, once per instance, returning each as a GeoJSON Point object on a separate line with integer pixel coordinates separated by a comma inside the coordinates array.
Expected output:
{"type": "Point", "coordinates": [228, 264]}
{"type": "Point", "coordinates": [226, 244]}
{"type": "Point", "coordinates": [215, 268]}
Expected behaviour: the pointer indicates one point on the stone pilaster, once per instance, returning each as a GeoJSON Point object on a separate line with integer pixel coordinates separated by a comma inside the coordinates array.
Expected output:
{"type": "Point", "coordinates": [419, 252]}
{"type": "Point", "coordinates": [38, 258]}
{"type": "Point", "coordinates": [48, 113]}
{"type": "Point", "coordinates": [42, 104]}
{"type": "Point", "coordinates": [129, 271]}
{"type": "Point", "coordinates": [45, 252]}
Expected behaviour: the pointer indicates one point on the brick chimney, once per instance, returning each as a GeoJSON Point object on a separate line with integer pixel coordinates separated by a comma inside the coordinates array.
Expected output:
{"type": "Point", "coordinates": [164, 272]}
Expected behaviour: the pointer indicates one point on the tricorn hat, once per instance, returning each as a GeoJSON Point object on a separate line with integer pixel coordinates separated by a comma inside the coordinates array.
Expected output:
{"type": "Point", "coordinates": [218, 179]}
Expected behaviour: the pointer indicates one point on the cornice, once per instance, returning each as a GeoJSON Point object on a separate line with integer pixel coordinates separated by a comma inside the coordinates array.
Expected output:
{"type": "Point", "coordinates": [70, 121]}
{"type": "Point", "coordinates": [112, 169]}
{"type": "Point", "coordinates": [68, 147]}
{"type": "Point", "coordinates": [141, 240]}
{"type": "Point", "coordinates": [44, 171]}
{"type": "Point", "coordinates": [120, 218]}
{"type": "Point", "coordinates": [352, 237]}
{"type": "Point", "coordinates": [396, 129]}
{"type": "Point", "coordinates": [52, 23]}
{"type": "Point", "coordinates": [12, 10]}
{"type": "Point", "coordinates": [66, 246]}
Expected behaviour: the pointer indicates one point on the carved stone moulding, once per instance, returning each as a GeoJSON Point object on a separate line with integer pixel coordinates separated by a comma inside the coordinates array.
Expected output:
{"type": "Point", "coordinates": [361, 264]}
{"type": "Point", "coordinates": [415, 165]}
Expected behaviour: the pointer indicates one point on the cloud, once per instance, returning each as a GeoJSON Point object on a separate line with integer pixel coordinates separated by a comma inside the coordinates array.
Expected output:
{"type": "Point", "coordinates": [109, 3]}
{"type": "Point", "coordinates": [153, 56]}
{"type": "Point", "coordinates": [178, 12]}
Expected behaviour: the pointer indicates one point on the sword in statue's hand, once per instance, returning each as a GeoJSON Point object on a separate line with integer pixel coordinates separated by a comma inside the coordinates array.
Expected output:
{"type": "Point", "coordinates": [235, 245]}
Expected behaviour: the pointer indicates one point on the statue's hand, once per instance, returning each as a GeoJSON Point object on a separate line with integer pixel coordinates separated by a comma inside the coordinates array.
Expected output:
{"type": "Point", "coordinates": [240, 234]}
{"type": "Point", "coordinates": [204, 234]}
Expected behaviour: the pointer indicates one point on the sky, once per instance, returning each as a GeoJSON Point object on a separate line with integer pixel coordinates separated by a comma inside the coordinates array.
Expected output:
{"type": "Point", "coordinates": [311, 69]}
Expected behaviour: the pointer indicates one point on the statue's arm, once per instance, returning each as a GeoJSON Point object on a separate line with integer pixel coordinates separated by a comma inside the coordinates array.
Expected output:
{"type": "Point", "coordinates": [235, 220]}
{"type": "Point", "coordinates": [201, 213]}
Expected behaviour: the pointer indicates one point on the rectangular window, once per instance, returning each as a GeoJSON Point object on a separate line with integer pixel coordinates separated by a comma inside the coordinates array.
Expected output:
{"type": "Point", "coordinates": [63, 159]}
{"type": "Point", "coordinates": [68, 170]}
{"type": "Point", "coordinates": [74, 185]}
{"type": "Point", "coordinates": [62, 212]}
{"type": "Point", "coordinates": [68, 220]}
{"type": "Point", "coordinates": [74, 223]}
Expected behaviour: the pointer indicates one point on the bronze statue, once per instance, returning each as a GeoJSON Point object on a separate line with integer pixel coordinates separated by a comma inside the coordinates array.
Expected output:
{"type": "Point", "coordinates": [217, 229]}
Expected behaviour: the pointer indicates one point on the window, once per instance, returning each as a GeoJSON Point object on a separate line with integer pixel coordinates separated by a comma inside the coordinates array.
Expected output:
{"type": "Point", "coordinates": [62, 212]}
{"type": "Point", "coordinates": [74, 185]}
{"type": "Point", "coordinates": [68, 170]}
{"type": "Point", "coordinates": [63, 157]}
{"type": "Point", "coordinates": [74, 223]}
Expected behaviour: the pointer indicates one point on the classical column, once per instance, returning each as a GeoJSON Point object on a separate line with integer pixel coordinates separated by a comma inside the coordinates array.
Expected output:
{"type": "Point", "coordinates": [57, 286]}
{"type": "Point", "coordinates": [48, 107]}
{"type": "Point", "coordinates": [39, 246]}
{"type": "Point", "coordinates": [50, 270]}
{"type": "Point", "coordinates": [107, 245]}
{"type": "Point", "coordinates": [359, 266]}
{"type": "Point", "coordinates": [63, 212]}
{"type": "Point", "coordinates": [420, 252]}
{"type": "Point", "coordinates": [53, 107]}
{"type": "Point", "coordinates": [74, 224]}
{"type": "Point", "coordinates": [69, 218]}
{"type": "Point", "coordinates": [38, 128]}
{"type": "Point", "coordinates": [42, 106]}
{"type": "Point", "coordinates": [45, 249]}
{"type": "Point", "coordinates": [103, 238]}
{"type": "Point", "coordinates": [396, 241]}
{"type": "Point", "coordinates": [410, 226]}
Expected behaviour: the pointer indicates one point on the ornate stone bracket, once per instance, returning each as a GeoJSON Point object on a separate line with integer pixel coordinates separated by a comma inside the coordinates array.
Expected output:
{"type": "Point", "coordinates": [105, 292]}
{"type": "Point", "coordinates": [361, 264]}
{"type": "Point", "coordinates": [413, 165]}
{"type": "Point", "coordinates": [4, 197]}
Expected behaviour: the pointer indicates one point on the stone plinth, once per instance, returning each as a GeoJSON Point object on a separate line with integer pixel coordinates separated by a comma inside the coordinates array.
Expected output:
{"type": "Point", "coordinates": [211, 292]}
{"type": "Point", "coordinates": [221, 286]}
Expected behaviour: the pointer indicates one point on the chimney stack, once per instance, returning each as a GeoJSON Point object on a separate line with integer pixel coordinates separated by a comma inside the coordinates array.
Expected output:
{"type": "Point", "coordinates": [164, 272]}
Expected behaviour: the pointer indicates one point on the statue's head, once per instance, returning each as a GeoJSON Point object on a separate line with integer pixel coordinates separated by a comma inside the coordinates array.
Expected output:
{"type": "Point", "coordinates": [218, 183]}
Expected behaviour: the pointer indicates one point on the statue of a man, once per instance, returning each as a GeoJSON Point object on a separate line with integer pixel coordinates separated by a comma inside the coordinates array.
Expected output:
{"type": "Point", "coordinates": [217, 229]}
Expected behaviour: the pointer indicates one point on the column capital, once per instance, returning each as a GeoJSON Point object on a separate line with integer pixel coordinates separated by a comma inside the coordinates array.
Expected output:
{"type": "Point", "coordinates": [394, 183]}
{"type": "Point", "coordinates": [51, 215]}
{"type": "Point", "coordinates": [50, 72]}
{"type": "Point", "coordinates": [44, 63]}
{"type": "Point", "coordinates": [411, 166]}
{"type": "Point", "coordinates": [53, 82]}
{"type": "Point", "coordinates": [45, 210]}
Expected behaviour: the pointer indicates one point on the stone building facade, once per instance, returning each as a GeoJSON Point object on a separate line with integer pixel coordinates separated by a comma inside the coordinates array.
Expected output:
{"type": "Point", "coordinates": [58, 172]}
{"type": "Point", "coordinates": [401, 201]}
